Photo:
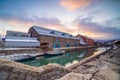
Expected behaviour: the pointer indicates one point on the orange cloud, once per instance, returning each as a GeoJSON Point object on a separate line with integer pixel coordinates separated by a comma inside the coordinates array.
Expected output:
{"type": "Point", "coordinates": [73, 5]}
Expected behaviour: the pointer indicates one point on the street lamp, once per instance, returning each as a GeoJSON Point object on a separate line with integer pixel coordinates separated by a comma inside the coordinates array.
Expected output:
{"type": "Point", "coordinates": [106, 46]}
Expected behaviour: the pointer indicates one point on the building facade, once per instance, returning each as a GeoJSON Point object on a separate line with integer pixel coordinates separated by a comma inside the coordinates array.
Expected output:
{"type": "Point", "coordinates": [54, 38]}
{"type": "Point", "coordinates": [19, 40]}
{"type": "Point", "coordinates": [87, 40]}
{"type": "Point", "coordinates": [16, 34]}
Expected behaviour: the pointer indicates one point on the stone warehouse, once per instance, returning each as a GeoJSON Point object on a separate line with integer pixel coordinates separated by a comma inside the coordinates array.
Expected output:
{"type": "Point", "coordinates": [86, 40]}
{"type": "Point", "coordinates": [54, 38]}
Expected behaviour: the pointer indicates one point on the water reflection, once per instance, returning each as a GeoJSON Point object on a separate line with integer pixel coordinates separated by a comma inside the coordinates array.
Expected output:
{"type": "Point", "coordinates": [89, 52]}
{"type": "Point", "coordinates": [68, 58]}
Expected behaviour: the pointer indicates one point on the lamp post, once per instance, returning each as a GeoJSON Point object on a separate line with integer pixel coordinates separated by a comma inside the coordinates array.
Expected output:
{"type": "Point", "coordinates": [106, 46]}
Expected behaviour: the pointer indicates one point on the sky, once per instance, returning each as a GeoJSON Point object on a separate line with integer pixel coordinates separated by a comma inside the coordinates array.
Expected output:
{"type": "Point", "coordinates": [97, 19]}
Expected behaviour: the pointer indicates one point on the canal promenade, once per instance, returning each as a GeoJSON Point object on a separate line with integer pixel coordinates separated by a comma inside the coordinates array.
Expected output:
{"type": "Point", "coordinates": [105, 66]}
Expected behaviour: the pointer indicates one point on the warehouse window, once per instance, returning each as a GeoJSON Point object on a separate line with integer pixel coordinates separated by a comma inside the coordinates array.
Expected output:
{"type": "Point", "coordinates": [15, 35]}
{"type": "Point", "coordinates": [71, 36]}
{"type": "Point", "coordinates": [52, 32]}
{"type": "Point", "coordinates": [24, 35]}
{"type": "Point", "coordinates": [63, 34]}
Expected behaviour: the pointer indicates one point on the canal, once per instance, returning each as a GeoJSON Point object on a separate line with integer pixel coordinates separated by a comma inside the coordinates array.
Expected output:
{"type": "Point", "coordinates": [65, 59]}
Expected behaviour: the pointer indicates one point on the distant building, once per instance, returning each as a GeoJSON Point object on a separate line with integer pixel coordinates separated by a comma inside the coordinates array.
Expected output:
{"type": "Point", "coordinates": [54, 38]}
{"type": "Point", "coordinates": [16, 34]}
{"type": "Point", "coordinates": [87, 40]}
{"type": "Point", "coordinates": [82, 42]}
{"type": "Point", "coordinates": [20, 39]}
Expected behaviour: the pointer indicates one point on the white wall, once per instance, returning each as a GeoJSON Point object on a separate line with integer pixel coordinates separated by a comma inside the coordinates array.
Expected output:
{"type": "Point", "coordinates": [21, 44]}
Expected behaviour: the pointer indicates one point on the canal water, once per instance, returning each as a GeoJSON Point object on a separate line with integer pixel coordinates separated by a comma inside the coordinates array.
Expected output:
{"type": "Point", "coordinates": [65, 59]}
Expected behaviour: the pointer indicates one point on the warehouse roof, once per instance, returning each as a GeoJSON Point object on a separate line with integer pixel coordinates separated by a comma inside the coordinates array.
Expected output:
{"type": "Point", "coordinates": [50, 32]}
{"type": "Point", "coordinates": [22, 39]}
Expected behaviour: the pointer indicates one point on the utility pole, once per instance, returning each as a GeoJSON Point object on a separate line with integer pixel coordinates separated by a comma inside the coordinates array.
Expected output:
{"type": "Point", "coordinates": [3, 31]}
{"type": "Point", "coordinates": [106, 46]}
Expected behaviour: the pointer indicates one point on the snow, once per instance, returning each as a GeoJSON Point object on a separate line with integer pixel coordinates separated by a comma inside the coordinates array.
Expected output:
{"type": "Point", "coordinates": [44, 31]}
{"type": "Point", "coordinates": [16, 57]}
{"type": "Point", "coordinates": [21, 40]}
{"type": "Point", "coordinates": [14, 48]}
{"type": "Point", "coordinates": [82, 41]}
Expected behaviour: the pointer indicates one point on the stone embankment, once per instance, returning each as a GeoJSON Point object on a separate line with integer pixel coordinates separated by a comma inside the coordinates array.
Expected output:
{"type": "Point", "coordinates": [21, 50]}
{"type": "Point", "coordinates": [102, 67]}
{"type": "Point", "coordinates": [8, 51]}
{"type": "Point", "coordinates": [67, 49]}
{"type": "Point", "coordinates": [10, 70]}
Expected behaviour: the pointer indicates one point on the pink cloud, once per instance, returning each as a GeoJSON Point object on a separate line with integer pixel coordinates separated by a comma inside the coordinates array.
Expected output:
{"type": "Point", "coordinates": [96, 30]}
{"type": "Point", "coordinates": [25, 22]}
{"type": "Point", "coordinates": [73, 5]}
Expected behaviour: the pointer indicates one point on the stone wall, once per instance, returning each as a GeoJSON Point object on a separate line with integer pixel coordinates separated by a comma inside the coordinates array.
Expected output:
{"type": "Point", "coordinates": [10, 70]}
{"type": "Point", "coordinates": [38, 50]}
{"type": "Point", "coordinates": [32, 50]}
{"type": "Point", "coordinates": [67, 49]}
{"type": "Point", "coordinates": [103, 67]}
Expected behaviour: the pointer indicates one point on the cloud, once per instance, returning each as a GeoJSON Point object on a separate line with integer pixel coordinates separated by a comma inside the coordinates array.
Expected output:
{"type": "Point", "coordinates": [26, 22]}
{"type": "Point", "coordinates": [47, 21]}
{"type": "Point", "coordinates": [73, 5]}
{"type": "Point", "coordinates": [8, 17]}
{"type": "Point", "coordinates": [83, 26]}
{"type": "Point", "coordinates": [113, 22]}
{"type": "Point", "coordinates": [96, 30]}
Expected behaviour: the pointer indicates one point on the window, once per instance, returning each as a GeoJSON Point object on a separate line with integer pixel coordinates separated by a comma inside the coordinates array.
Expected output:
{"type": "Point", "coordinates": [15, 35]}
{"type": "Point", "coordinates": [71, 36]}
{"type": "Point", "coordinates": [24, 35]}
{"type": "Point", "coordinates": [63, 34]}
{"type": "Point", "coordinates": [52, 32]}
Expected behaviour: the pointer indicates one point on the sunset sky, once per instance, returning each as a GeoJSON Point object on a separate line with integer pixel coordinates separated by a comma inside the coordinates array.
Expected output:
{"type": "Point", "coordinates": [98, 19]}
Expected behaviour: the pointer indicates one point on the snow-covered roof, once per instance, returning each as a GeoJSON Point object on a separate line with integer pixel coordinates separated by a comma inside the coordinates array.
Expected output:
{"type": "Point", "coordinates": [82, 41]}
{"type": "Point", "coordinates": [22, 39]}
{"type": "Point", "coordinates": [50, 32]}
{"type": "Point", "coordinates": [17, 34]}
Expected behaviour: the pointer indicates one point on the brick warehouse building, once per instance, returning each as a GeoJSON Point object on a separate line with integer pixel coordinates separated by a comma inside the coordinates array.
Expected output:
{"type": "Point", "coordinates": [87, 40]}
{"type": "Point", "coordinates": [53, 38]}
